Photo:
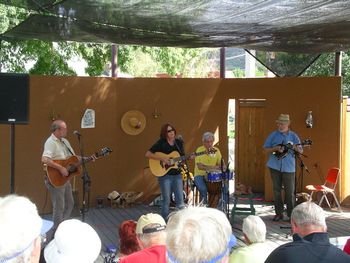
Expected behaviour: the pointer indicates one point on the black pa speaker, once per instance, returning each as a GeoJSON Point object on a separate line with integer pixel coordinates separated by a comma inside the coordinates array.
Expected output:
{"type": "Point", "coordinates": [14, 98]}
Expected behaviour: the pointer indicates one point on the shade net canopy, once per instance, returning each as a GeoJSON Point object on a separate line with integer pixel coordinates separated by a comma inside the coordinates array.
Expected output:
{"type": "Point", "coordinates": [308, 26]}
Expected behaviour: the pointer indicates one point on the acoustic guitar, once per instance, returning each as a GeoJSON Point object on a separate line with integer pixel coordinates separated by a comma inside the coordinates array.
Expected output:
{"type": "Point", "coordinates": [73, 165]}
{"type": "Point", "coordinates": [288, 146]}
{"type": "Point", "coordinates": [159, 168]}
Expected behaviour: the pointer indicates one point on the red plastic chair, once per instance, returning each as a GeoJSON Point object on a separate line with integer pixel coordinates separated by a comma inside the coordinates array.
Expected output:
{"type": "Point", "coordinates": [327, 187]}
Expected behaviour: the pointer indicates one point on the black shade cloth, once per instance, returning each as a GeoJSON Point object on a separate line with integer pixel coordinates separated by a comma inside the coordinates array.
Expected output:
{"type": "Point", "coordinates": [292, 26]}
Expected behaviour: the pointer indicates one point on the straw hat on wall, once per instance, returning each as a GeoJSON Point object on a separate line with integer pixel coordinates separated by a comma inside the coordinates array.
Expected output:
{"type": "Point", "coordinates": [133, 122]}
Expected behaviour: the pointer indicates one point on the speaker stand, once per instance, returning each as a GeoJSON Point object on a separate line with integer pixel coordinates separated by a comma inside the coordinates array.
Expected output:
{"type": "Point", "coordinates": [12, 158]}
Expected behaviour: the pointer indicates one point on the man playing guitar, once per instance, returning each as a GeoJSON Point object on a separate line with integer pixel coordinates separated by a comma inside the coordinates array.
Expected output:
{"type": "Point", "coordinates": [58, 148]}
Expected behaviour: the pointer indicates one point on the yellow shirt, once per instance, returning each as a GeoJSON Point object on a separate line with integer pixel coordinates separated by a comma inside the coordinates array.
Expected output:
{"type": "Point", "coordinates": [256, 252]}
{"type": "Point", "coordinates": [207, 159]}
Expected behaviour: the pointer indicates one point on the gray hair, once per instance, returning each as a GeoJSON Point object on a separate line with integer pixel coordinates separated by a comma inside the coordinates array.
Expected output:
{"type": "Point", "coordinates": [254, 228]}
{"type": "Point", "coordinates": [208, 135]}
{"type": "Point", "coordinates": [197, 234]}
{"type": "Point", "coordinates": [55, 125]}
{"type": "Point", "coordinates": [308, 213]}
{"type": "Point", "coordinates": [20, 225]}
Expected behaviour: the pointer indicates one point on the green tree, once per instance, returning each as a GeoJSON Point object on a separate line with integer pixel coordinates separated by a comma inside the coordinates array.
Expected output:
{"type": "Point", "coordinates": [324, 66]}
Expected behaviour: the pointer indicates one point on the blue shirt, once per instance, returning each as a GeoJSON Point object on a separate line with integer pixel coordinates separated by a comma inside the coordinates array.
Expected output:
{"type": "Point", "coordinates": [286, 164]}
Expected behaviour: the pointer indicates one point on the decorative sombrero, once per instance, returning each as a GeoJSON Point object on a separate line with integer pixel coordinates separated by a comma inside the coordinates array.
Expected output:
{"type": "Point", "coordinates": [133, 122]}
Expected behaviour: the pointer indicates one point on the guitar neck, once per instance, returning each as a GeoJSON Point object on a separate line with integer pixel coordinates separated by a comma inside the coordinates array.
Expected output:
{"type": "Point", "coordinates": [187, 156]}
{"type": "Point", "coordinates": [87, 159]}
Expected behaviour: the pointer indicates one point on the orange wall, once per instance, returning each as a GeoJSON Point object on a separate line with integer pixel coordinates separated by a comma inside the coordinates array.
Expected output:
{"type": "Point", "coordinates": [193, 106]}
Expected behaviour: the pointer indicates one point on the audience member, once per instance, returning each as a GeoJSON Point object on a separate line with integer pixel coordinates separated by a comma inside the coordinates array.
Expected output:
{"type": "Point", "coordinates": [128, 242]}
{"type": "Point", "coordinates": [310, 239]}
{"type": "Point", "coordinates": [21, 229]}
{"type": "Point", "coordinates": [150, 231]}
{"type": "Point", "coordinates": [254, 231]}
{"type": "Point", "coordinates": [198, 234]}
{"type": "Point", "coordinates": [74, 241]}
{"type": "Point", "coordinates": [346, 248]}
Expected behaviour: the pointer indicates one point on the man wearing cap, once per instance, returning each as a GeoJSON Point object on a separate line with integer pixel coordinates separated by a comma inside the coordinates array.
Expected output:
{"type": "Point", "coordinates": [281, 146]}
{"type": "Point", "coordinates": [21, 230]}
{"type": "Point", "coordinates": [150, 231]}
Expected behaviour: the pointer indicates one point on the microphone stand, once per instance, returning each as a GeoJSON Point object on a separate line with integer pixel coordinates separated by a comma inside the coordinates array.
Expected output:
{"type": "Point", "coordinates": [301, 178]}
{"type": "Point", "coordinates": [302, 168]}
{"type": "Point", "coordinates": [225, 191]}
{"type": "Point", "coordinates": [86, 180]}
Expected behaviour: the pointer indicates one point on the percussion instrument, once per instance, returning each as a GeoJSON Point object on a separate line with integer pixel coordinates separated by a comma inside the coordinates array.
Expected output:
{"type": "Point", "coordinates": [213, 183]}
{"type": "Point", "coordinates": [214, 193]}
{"type": "Point", "coordinates": [214, 176]}
{"type": "Point", "coordinates": [227, 176]}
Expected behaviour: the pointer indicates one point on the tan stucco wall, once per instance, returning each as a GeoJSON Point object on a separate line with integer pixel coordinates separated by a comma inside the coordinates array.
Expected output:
{"type": "Point", "coordinates": [193, 106]}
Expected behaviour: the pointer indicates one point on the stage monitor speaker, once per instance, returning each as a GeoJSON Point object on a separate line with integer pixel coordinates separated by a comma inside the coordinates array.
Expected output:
{"type": "Point", "coordinates": [14, 98]}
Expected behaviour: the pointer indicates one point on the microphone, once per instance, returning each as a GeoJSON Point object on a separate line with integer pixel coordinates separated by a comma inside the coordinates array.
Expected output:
{"type": "Point", "coordinates": [180, 138]}
{"type": "Point", "coordinates": [77, 133]}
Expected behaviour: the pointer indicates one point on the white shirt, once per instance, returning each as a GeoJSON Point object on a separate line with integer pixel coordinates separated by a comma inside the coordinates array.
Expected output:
{"type": "Point", "coordinates": [56, 149]}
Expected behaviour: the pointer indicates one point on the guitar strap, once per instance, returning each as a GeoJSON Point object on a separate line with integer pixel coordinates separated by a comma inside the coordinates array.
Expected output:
{"type": "Point", "coordinates": [70, 151]}
{"type": "Point", "coordinates": [180, 149]}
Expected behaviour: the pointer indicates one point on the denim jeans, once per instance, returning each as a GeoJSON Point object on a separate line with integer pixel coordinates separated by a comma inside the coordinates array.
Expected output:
{"type": "Point", "coordinates": [199, 181]}
{"type": "Point", "coordinates": [171, 184]}
{"type": "Point", "coordinates": [288, 181]}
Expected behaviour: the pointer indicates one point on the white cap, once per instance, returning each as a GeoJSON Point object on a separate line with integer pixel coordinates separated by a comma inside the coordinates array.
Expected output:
{"type": "Point", "coordinates": [156, 220]}
{"type": "Point", "coordinates": [74, 241]}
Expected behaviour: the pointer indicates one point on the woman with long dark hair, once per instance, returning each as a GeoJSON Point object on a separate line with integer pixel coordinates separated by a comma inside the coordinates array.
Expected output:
{"type": "Point", "coordinates": [171, 180]}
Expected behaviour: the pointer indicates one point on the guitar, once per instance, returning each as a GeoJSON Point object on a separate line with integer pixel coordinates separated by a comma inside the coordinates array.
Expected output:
{"type": "Point", "coordinates": [73, 165]}
{"type": "Point", "coordinates": [288, 146]}
{"type": "Point", "coordinates": [159, 168]}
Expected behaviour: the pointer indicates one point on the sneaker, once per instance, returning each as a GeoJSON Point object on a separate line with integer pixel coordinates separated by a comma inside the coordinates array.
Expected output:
{"type": "Point", "coordinates": [277, 217]}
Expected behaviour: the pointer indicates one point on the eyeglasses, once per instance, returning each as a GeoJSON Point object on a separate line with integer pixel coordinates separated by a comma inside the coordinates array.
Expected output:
{"type": "Point", "coordinates": [172, 130]}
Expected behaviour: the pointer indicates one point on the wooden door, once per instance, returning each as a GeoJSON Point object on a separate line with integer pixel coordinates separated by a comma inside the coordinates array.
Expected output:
{"type": "Point", "coordinates": [250, 166]}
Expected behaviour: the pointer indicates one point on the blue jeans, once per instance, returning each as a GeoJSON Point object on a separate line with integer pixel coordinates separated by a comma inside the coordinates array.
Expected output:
{"type": "Point", "coordinates": [199, 181]}
{"type": "Point", "coordinates": [171, 184]}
